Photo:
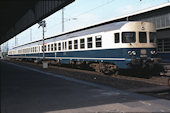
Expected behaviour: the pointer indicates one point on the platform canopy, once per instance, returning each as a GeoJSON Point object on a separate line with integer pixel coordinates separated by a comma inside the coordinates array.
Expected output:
{"type": "Point", "coordinates": [18, 15]}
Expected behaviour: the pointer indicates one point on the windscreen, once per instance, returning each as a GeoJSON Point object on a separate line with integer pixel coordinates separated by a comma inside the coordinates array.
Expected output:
{"type": "Point", "coordinates": [142, 37]}
{"type": "Point", "coordinates": [128, 37]}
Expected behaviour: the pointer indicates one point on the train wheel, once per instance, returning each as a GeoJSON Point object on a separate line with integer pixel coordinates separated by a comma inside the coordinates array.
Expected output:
{"type": "Point", "coordinates": [108, 69]}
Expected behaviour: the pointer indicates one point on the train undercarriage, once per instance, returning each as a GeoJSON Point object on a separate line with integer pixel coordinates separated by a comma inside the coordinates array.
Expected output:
{"type": "Point", "coordinates": [138, 67]}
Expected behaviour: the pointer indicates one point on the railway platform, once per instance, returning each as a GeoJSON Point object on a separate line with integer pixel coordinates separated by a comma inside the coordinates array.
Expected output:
{"type": "Point", "coordinates": [29, 90]}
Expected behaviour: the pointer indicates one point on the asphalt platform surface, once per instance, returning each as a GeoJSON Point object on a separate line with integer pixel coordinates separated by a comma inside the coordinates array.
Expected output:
{"type": "Point", "coordinates": [28, 90]}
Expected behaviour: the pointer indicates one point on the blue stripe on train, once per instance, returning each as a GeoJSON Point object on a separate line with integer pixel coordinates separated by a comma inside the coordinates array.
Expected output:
{"type": "Point", "coordinates": [107, 53]}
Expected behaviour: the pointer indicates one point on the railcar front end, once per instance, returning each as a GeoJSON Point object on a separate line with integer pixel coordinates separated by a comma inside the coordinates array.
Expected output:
{"type": "Point", "coordinates": [139, 48]}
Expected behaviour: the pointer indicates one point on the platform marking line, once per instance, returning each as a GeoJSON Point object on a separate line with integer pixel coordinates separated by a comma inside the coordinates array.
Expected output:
{"type": "Point", "coordinates": [146, 103]}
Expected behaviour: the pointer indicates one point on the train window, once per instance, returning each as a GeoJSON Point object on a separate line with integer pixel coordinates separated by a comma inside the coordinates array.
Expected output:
{"type": "Point", "coordinates": [117, 38]}
{"type": "Point", "coordinates": [98, 41]}
{"type": "Point", "coordinates": [89, 42]}
{"type": "Point", "coordinates": [65, 45]}
{"type": "Point", "coordinates": [41, 48]}
{"type": "Point", "coordinates": [34, 49]}
{"type": "Point", "coordinates": [55, 47]}
{"type": "Point", "coordinates": [75, 44]}
{"type": "Point", "coordinates": [128, 37]}
{"type": "Point", "coordinates": [52, 47]}
{"type": "Point", "coordinates": [152, 36]}
{"type": "Point", "coordinates": [45, 47]}
{"type": "Point", "coordinates": [142, 37]}
{"type": "Point", "coordinates": [82, 43]}
{"type": "Point", "coordinates": [70, 44]}
{"type": "Point", "coordinates": [48, 47]}
{"type": "Point", "coordinates": [59, 46]}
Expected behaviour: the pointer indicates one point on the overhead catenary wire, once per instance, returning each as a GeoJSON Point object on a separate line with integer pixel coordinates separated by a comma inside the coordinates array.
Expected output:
{"type": "Point", "coordinates": [99, 6]}
{"type": "Point", "coordinates": [83, 13]}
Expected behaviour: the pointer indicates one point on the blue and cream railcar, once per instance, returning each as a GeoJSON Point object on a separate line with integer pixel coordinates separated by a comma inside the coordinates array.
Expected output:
{"type": "Point", "coordinates": [121, 44]}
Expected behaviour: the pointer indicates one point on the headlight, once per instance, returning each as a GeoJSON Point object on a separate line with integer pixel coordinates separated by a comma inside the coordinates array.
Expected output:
{"type": "Point", "coordinates": [132, 52]}
{"type": "Point", "coordinates": [153, 52]}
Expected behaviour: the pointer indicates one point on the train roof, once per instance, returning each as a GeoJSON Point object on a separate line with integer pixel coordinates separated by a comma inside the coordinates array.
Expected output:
{"type": "Point", "coordinates": [102, 27]}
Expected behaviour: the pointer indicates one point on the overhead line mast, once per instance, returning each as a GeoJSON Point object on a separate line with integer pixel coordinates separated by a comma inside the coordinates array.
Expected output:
{"type": "Point", "coordinates": [43, 25]}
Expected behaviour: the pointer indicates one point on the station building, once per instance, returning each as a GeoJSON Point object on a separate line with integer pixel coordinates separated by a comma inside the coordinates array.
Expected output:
{"type": "Point", "coordinates": [160, 17]}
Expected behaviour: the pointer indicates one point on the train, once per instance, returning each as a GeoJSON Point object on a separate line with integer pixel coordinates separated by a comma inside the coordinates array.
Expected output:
{"type": "Point", "coordinates": [105, 47]}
